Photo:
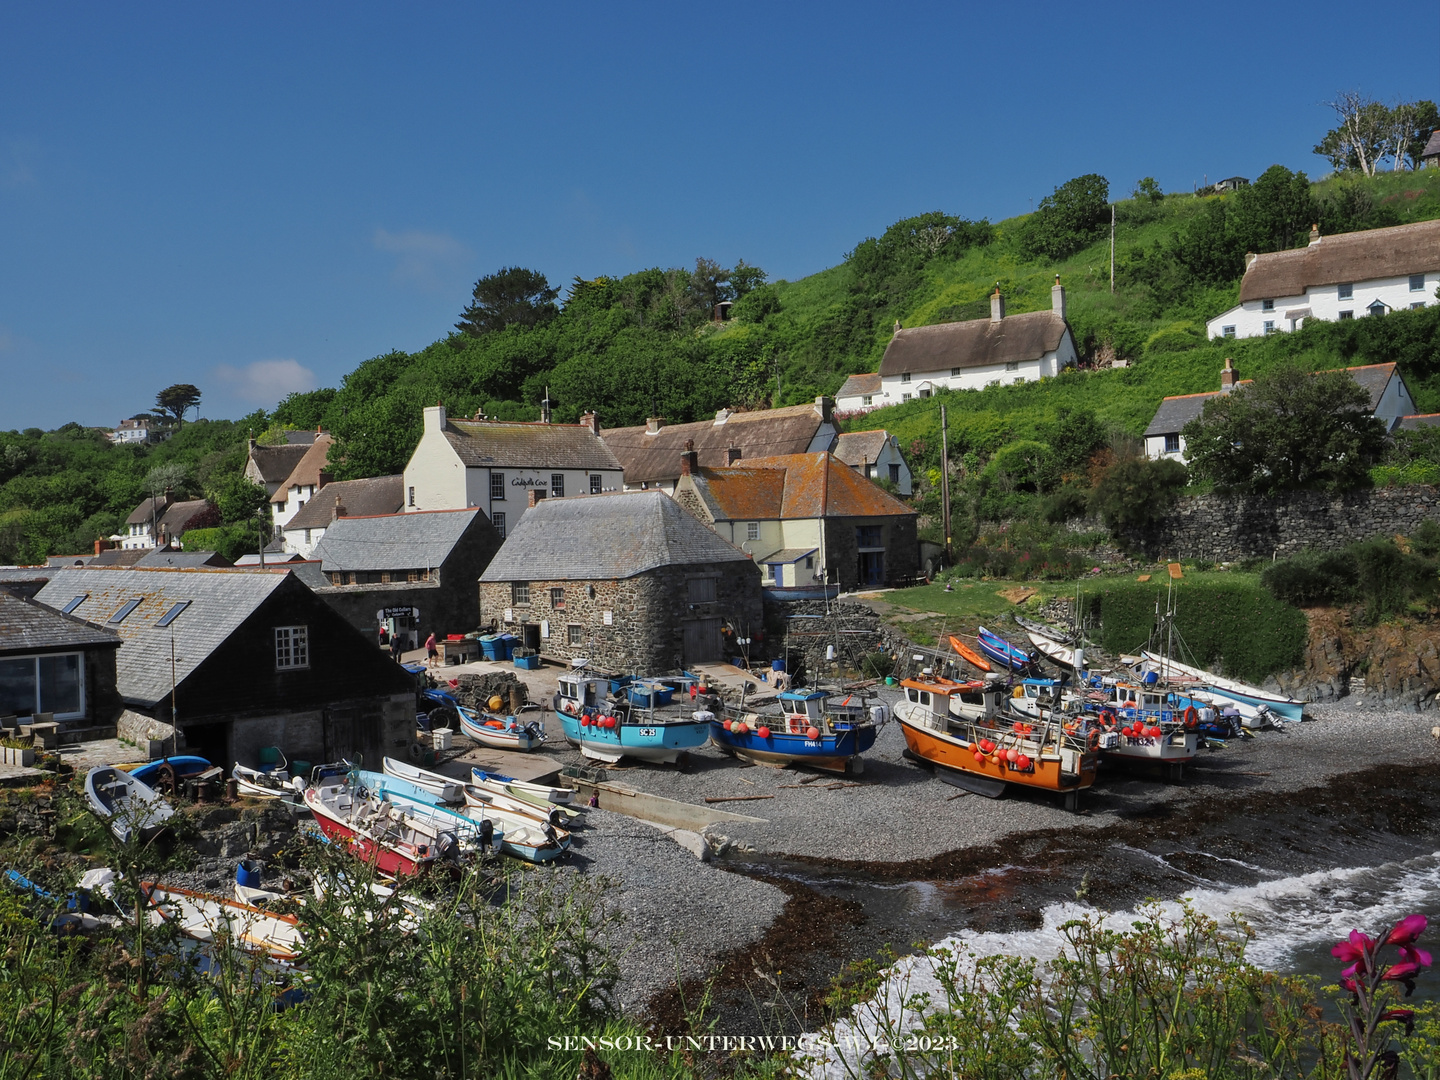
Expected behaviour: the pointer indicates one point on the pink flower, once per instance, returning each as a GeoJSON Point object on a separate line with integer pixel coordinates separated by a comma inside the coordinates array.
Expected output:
{"type": "Point", "coordinates": [1404, 972]}
{"type": "Point", "coordinates": [1354, 949]}
{"type": "Point", "coordinates": [1413, 955]}
{"type": "Point", "coordinates": [1407, 930]}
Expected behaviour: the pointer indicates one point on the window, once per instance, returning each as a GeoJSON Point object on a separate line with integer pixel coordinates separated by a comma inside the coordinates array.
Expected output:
{"type": "Point", "coordinates": [292, 647]}
{"type": "Point", "coordinates": [1227, 331]}
{"type": "Point", "coordinates": [596, 480]}
{"type": "Point", "coordinates": [869, 469]}
{"type": "Point", "coordinates": [53, 683]}
{"type": "Point", "coordinates": [539, 493]}
{"type": "Point", "coordinates": [894, 474]}
{"type": "Point", "coordinates": [905, 376]}
{"type": "Point", "coordinates": [1417, 282]}
{"type": "Point", "coordinates": [174, 613]}
{"type": "Point", "coordinates": [125, 609]}
{"type": "Point", "coordinates": [73, 604]}
{"type": "Point", "coordinates": [924, 394]}
{"type": "Point", "coordinates": [905, 397]}
{"type": "Point", "coordinates": [519, 592]}
{"type": "Point", "coordinates": [954, 372]}
{"type": "Point", "coordinates": [1269, 326]}
{"type": "Point", "coordinates": [1267, 305]}
{"type": "Point", "coordinates": [557, 599]}
{"type": "Point", "coordinates": [299, 504]}
{"type": "Point", "coordinates": [354, 578]}
{"type": "Point", "coordinates": [868, 536]}
{"type": "Point", "coordinates": [752, 530]}
{"type": "Point", "coordinates": [498, 520]}
{"type": "Point", "coordinates": [410, 497]}
{"type": "Point", "coordinates": [1172, 444]}
{"type": "Point", "coordinates": [557, 485]}
{"type": "Point", "coordinates": [497, 486]}
{"type": "Point", "coordinates": [1345, 292]}
{"type": "Point", "coordinates": [809, 562]}
{"type": "Point", "coordinates": [1347, 315]}
{"type": "Point", "coordinates": [867, 399]}
{"type": "Point", "coordinates": [1012, 365]}
{"type": "Point", "coordinates": [384, 577]}
{"type": "Point", "coordinates": [573, 634]}
{"type": "Point", "coordinates": [702, 590]}
{"type": "Point", "coordinates": [1020, 380]}
{"type": "Point", "coordinates": [1417, 306]}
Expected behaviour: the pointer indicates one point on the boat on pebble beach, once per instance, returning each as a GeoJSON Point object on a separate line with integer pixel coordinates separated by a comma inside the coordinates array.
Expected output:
{"type": "Point", "coordinates": [808, 729]}
{"type": "Point", "coordinates": [378, 830]}
{"type": "Point", "coordinates": [639, 721]}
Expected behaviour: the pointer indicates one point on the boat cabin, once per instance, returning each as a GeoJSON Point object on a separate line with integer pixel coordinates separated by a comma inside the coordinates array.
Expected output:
{"type": "Point", "coordinates": [584, 691]}
{"type": "Point", "coordinates": [1134, 702]}
{"type": "Point", "coordinates": [946, 699]}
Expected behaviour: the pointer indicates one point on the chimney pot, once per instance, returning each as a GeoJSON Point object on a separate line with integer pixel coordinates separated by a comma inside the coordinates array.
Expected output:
{"type": "Point", "coordinates": [653, 425]}
{"type": "Point", "coordinates": [897, 326]}
{"type": "Point", "coordinates": [1314, 234]}
{"type": "Point", "coordinates": [997, 304]}
{"type": "Point", "coordinates": [591, 421]}
{"type": "Point", "coordinates": [689, 460]}
{"type": "Point", "coordinates": [339, 511]}
{"type": "Point", "coordinates": [1057, 297]}
{"type": "Point", "coordinates": [1229, 377]}
{"type": "Point", "coordinates": [530, 499]}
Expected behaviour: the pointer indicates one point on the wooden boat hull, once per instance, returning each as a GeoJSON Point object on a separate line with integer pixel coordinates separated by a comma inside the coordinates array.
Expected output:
{"type": "Point", "coordinates": [662, 743]}
{"type": "Point", "coordinates": [969, 655]}
{"type": "Point", "coordinates": [1001, 652]}
{"type": "Point", "coordinates": [834, 751]}
{"type": "Point", "coordinates": [520, 738]}
{"type": "Point", "coordinates": [204, 918]}
{"type": "Point", "coordinates": [954, 752]}
{"type": "Point", "coordinates": [1053, 651]}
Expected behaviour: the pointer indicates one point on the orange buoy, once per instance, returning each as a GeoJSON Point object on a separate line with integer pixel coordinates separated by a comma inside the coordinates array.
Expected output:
{"type": "Point", "coordinates": [729, 724]}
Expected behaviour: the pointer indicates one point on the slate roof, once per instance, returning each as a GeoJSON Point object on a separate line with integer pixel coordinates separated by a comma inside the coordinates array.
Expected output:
{"type": "Point", "coordinates": [1344, 258]}
{"type": "Point", "coordinates": [275, 463]}
{"type": "Point", "coordinates": [649, 458]}
{"type": "Point", "coordinates": [973, 343]}
{"type": "Point", "coordinates": [1432, 147]}
{"type": "Point", "coordinates": [1419, 420]}
{"type": "Point", "coordinates": [858, 385]}
{"type": "Point", "coordinates": [504, 444]}
{"type": "Point", "coordinates": [26, 626]}
{"type": "Point", "coordinates": [857, 448]}
{"type": "Point", "coordinates": [796, 486]}
{"type": "Point", "coordinates": [787, 555]}
{"type": "Point", "coordinates": [1175, 412]}
{"type": "Point", "coordinates": [360, 498]}
{"type": "Point", "coordinates": [1373, 378]}
{"type": "Point", "coordinates": [308, 469]}
{"type": "Point", "coordinates": [423, 539]}
{"type": "Point", "coordinates": [182, 559]}
{"type": "Point", "coordinates": [605, 538]}
{"type": "Point", "coordinates": [119, 557]}
{"type": "Point", "coordinates": [220, 601]}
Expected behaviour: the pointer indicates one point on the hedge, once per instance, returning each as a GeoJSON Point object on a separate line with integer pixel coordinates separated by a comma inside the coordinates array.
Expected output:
{"type": "Point", "coordinates": [1235, 628]}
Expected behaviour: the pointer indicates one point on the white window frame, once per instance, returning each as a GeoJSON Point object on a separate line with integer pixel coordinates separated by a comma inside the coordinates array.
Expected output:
{"type": "Point", "coordinates": [1346, 315]}
{"type": "Point", "coordinates": [557, 485]}
{"type": "Point", "coordinates": [292, 648]}
{"type": "Point", "coordinates": [1012, 365]}
{"type": "Point", "coordinates": [867, 399]}
{"type": "Point", "coordinates": [519, 593]}
{"type": "Point", "coordinates": [574, 634]}
{"type": "Point", "coordinates": [497, 486]}
{"type": "Point", "coordinates": [752, 530]}
{"type": "Point", "coordinates": [498, 520]}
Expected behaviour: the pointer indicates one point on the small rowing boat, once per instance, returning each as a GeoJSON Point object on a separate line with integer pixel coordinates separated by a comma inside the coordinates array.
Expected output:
{"type": "Point", "coordinates": [448, 791]}
{"type": "Point", "coordinates": [131, 807]}
{"type": "Point", "coordinates": [1002, 652]}
{"type": "Point", "coordinates": [968, 654]}
{"type": "Point", "coordinates": [1045, 630]}
{"type": "Point", "coordinates": [1061, 655]}
{"type": "Point", "coordinates": [563, 795]}
{"type": "Point", "coordinates": [205, 918]}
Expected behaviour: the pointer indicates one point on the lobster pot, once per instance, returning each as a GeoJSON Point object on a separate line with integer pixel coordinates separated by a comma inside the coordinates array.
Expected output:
{"type": "Point", "coordinates": [877, 714]}
{"type": "Point", "coordinates": [441, 738]}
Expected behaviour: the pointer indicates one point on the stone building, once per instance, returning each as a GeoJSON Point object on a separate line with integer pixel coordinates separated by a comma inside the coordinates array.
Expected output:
{"type": "Point", "coordinates": [631, 581]}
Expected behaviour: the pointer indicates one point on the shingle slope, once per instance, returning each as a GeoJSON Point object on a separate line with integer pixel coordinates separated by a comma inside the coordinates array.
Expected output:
{"type": "Point", "coordinates": [420, 540]}
{"type": "Point", "coordinates": [26, 626]}
{"type": "Point", "coordinates": [606, 538]}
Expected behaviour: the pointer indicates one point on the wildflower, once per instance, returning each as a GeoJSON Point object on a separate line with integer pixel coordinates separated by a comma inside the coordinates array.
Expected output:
{"type": "Point", "coordinates": [1354, 949]}
{"type": "Point", "coordinates": [1404, 1016]}
{"type": "Point", "coordinates": [1407, 930]}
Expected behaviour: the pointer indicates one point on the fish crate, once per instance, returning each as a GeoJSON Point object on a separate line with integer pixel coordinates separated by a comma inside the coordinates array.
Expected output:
{"type": "Point", "coordinates": [441, 738]}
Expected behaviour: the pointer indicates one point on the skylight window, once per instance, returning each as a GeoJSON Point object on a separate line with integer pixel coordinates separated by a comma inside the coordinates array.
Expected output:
{"type": "Point", "coordinates": [174, 613]}
{"type": "Point", "coordinates": [125, 609]}
{"type": "Point", "coordinates": [73, 604]}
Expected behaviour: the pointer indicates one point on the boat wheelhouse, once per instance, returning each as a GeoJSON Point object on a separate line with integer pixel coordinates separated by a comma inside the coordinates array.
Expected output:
{"type": "Point", "coordinates": [609, 719]}
{"type": "Point", "coordinates": [809, 729]}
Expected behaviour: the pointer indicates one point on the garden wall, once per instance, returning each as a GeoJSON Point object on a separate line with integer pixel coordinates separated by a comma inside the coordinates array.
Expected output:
{"type": "Point", "coordinates": [1223, 528]}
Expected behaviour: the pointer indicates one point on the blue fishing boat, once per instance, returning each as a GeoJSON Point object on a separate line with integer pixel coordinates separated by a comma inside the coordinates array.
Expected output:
{"type": "Point", "coordinates": [183, 764]}
{"type": "Point", "coordinates": [497, 732]}
{"type": "Point", "coordinates": [807, 731]}
{"type": "Point", "coordinates": [607, 727]}
{"type": "Point", "coordinates": [1002, 652]}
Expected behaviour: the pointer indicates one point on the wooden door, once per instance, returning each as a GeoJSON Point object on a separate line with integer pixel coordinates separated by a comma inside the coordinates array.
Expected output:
{"type": "Point", "coordinates": [702, 641]}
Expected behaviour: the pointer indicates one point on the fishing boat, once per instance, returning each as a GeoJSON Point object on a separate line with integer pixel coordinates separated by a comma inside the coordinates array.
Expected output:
{"type": "Point", "coordinates": [259, 784]}
{"type": "Point", "coordinates": [1001, 652]}
{"type": "Point", "coordinates": [512, 797]}
{"type": "Point", "coordinates": [511, 786]}
{"type": "Point", "coordinates": [1060, 655]}
{"type": "Point", "coordinates": [131, 807]}
{"type": "Point", "coordinates": [379, 830]}
{"type": "Point", "coordinates": [524, 836]}
{"type": "Point", "coordinates": [487, 729]}
{"type": "Point", "coordinates": [204, 918]}
{"type": "Point", "coordinates": [986, 755]}
{"type": "Point", "coordinates": [477, 834]}
{"type": "Point", "coordinates": [808, 730]}
{"type": "Point", "coordinates": [608, 729]}
{"type": "Point", "coordinates": [1285, 707]}
{"type": "Point", "coordinates": [448, 791]}
{"type": "Point", "coordinates": [185, 765]}
{"type": "Point", "coordinates": [968, 654]}
{"type": "Point", "coordinates": [1035, 698]}
{"type": "Point", "coordinates": [1142, 723]}
{"type": "Point", "coordinates": [1045, 630]}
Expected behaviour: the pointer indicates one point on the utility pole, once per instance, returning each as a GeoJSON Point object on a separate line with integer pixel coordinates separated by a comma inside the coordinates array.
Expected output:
{"type": "Point", "coordinates": [945, 480]}
{"type": "Point", "coordinates": [1112, 247]}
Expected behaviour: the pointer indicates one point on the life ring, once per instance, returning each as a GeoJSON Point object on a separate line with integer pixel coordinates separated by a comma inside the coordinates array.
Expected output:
{"type": "Point", "coordinates": [415, 753]}
{"type": "Point", "coordinates": [1192, 717]}
{"type": "Point", "coordinates": [1093, 739]}
{"type": "Point", "coordinates": [1107, 719]}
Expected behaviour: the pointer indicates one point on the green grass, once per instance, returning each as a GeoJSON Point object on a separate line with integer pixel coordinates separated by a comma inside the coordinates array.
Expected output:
{"type": "Point", "coordinates": [970, 600]}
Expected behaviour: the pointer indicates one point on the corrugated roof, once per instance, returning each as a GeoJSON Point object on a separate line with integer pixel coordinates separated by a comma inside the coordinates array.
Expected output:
{"type": "Point", "coordinates": [605, 538]}
{"type": "Point", "coordinates": [26, 626]}
{"type": "Point", "coordinates": [220, 600]}
{"type": "Point", "coordinates": [1344, 258]}
{"type": "Point", "coordinates": [360, 498]}
{"type": "Point", "coordinates": [308, 469]}
{"type": "Point", "coordinates": [274, 463]}
{"type": "Point", "coordinates": [649, 458]}
{"type": "Point", "coordinates": [859, 385]}
{"type": "Point", "coordinates": [503, 444]}
{"type": "Point", "coordinates": [856, 448]}
{"type": "Point", "coordinates": [796, 486]}
{"type": "Point", "coordinates": [974, 343]}
{"type": "Point", "coordinates": [421, 540]}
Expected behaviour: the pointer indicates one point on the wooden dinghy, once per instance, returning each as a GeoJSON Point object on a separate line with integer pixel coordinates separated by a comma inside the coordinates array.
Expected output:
{"type": "Point", "coordinates": [205, 918]}
{"type": "Point", "coordinates": [507, 797]}
{"type": "Point", "coordinates": [131, 807]}
{"type": "Point", "coordinates": [511, 786]}
{"type": "Point", "coordinates": [1056, 653]}
{"type": "Point", "coordinates": [259, 784]}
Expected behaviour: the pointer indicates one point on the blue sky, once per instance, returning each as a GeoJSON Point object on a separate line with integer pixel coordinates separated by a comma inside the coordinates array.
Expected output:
{"type": "Point", "coordinates": [256, 197]}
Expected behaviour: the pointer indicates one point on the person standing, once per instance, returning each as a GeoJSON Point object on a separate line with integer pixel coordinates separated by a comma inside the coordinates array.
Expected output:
{"type": "Point", "coordinates": [432, 651]}
{"type": "Point", "coordinates": [396, 646]}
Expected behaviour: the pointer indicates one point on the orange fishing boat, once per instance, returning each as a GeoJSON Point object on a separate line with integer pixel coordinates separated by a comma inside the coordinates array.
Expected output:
{"type": "Point", "coordinates": [969, 654]}
{"type": "Point", "coordinates": [984, 755]}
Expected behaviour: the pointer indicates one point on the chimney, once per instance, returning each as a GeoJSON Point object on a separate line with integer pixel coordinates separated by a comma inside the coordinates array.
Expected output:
{"type": "Point", "coordinates": [689, 463]}
{"type": "Point", "coordinates": [1228, 376]}
{"type": "Point", "coordinates": [530, 499]}
{"type": "Point", "coordinates": [653, 424]}
{"type": "Point", "coordinates": [897, 326]}
{"type": "Point", "coordinates": [325, 478]}
{"type": "Point", "coordinates": [1250, 258]}
{"type": "Point", "coordinates": [997, 305]}
{"type": "Point", "coordinates": [1314, 235]}
{"type": "Point", "coordinates": [825, 407]}
{"type": "Point", "coordinates": [435, 418]}
{"type": "Point", "coordinates": [339, 510]}
{"type": "Point", "coordinates": [545, 407]}
{"type": "Point", "coordinates": [1057, 297]}
{"type": "Point", "coordinates": [591, 421]}
{"type": "Point", "coordinates": [732, 455]}
{"type": "Point", "coordinates": [97, 545]}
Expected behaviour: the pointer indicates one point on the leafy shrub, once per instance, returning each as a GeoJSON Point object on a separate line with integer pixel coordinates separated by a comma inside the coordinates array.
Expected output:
{"type": "Point", "coordinates": [1137, 493]}
{"type": "Point", "coordinates": [1068, 219]}
{"type": "Point", "coordinates": [230, 541]}
{"type": "Point", "coordinates": [1376, 574]}
{"type": "Point", "coordinates": [1415, 472]}
{"type": "Point", "coordinates": [876, 665]}
{"type": "Point", "coordinates": [1425, 540]}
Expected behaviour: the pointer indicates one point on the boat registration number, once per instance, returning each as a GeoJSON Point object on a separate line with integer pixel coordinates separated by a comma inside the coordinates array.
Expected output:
{"type": "Point", "coordinates": [649, 732]}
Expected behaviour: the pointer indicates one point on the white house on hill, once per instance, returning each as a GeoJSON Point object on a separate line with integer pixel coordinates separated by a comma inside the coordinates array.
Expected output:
{"type": "Point", "coordinates": [1346, 276]}
{"type": "Point", "coordinates": [875, 455]}
{"type": "Point", "coordinates": [861, 393]}
{"type": "Point", "coordinates": [979, 353]}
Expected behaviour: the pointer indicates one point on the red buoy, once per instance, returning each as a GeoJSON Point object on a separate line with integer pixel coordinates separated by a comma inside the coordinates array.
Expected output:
{"type": "Point", "coordinates": [979, 758]}
{"type": "Point", "coordinates": [763, 732]}
{"type": "Point", "coordinates": [729, 724]}
{"type": "Point", "coordinates": [1022, 762]}
{"type": "Point", "coordinates": [1012, 755]}
{"type": "Point", "coordinates": [812, 733]}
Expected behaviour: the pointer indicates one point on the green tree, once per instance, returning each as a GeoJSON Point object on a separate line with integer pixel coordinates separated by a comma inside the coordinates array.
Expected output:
{"type": "Point", "coordinates": [1136, 493]}
{"type": "Point", "coordinates": [1288, 429]}
{"type": "Point", "coordinates": [1068, 219]}
{"type": "Point", "coordinates": [175, 401]}
{"type": "Point", "coordinates": [745, 279]}
{"type": "Point", "coordinates": [1273, 213]}
{"type": "Point", "coordinates": [1148, 188]}
{"type": "Point", "coordinates": [514, 296]}
{"type": "Point", "coordinates": [171, 477]}
{"type": "Point", "coordinates": [238, 499]}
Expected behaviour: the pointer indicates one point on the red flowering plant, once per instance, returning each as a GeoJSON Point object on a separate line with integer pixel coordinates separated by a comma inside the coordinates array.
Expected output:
{"type": "Point", "coordinates": [1372, 983]}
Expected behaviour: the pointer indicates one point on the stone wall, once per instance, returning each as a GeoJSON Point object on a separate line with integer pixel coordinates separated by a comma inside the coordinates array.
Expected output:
{"type": "Point", "coordinates": [803, 630]}
{"type": "Point", "coordinates": [1223, 528]}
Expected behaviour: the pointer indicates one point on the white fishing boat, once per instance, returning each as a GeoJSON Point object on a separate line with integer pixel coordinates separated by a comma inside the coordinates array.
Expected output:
{"type": "Point", "coordinates": [535, 808]}
{"type": "Point", "coordinates": [1285, 707]}
{"type": "Point", "coordinates": [131, 807]}
{"type": "Point", "coordinates": [205, 918]}
{"type": "Point", "coordinates": [451, 792]}
{"type": "Point", "coordinates": [1063, 655]}
{"type": "Point", "coordinates": [509, 785]}
{"type": "Point", "coordinates": [259, 784]}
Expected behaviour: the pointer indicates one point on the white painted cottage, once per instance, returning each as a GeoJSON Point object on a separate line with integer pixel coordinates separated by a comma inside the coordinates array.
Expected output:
{"type": "Point", "coordinates": [859, 394]}
{"type": "Point", "coordinates": [978, 353]}
{"type": "Point", "coordinates": [1346, 276]}
{"type": "Point", "coordinates": [875, 455]}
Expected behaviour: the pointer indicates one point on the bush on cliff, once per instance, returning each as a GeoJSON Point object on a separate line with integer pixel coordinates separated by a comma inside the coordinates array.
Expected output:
{"type": "Point", "coordinates": [1375, 574]}
{"type": "Point", "coordinates": [1136, 494]}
